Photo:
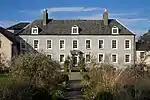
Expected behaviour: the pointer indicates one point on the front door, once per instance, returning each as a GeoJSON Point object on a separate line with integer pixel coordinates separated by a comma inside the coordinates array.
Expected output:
{"type": "Point", "coordinates": [75, 61]}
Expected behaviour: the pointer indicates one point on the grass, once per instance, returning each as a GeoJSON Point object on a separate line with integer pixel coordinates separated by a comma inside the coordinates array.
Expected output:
{"type": "Point", "coordinates": [4, 79]}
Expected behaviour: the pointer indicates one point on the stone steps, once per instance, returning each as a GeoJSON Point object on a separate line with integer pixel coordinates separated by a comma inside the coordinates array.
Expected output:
{"type": "Point", "coordinates": [74, 92]}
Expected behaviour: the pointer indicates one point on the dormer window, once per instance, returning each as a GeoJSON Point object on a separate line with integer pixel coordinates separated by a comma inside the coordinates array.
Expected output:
{"type": "Point", "coordinates": [75, 29]}
{"type": "Point", "coordinates": [35, 30]}
{"type": "Point", "coordinates": [115, 30]}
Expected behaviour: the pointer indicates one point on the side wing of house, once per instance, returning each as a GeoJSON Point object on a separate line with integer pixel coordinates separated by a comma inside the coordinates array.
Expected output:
{"type": "Point", "coordinates": [5, 48]}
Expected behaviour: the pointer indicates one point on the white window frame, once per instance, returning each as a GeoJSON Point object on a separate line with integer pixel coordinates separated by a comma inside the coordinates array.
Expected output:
{"type": "Point", "coordinates": [47, 45]}
{"type": "Point", "coordinates": [129, 58]}
{"type": "Point", "coordinates": [85, 57]}
{"type": "Point", "coordinates": [38, 44]}
{"type": "Point", "coordinates": [103, 57]}
{"type": "Point", "coordinates": [21, 41]}
{"type": "Point", "coordinates": [64, 44]}
{"type": "Point", "coordinates": [125, 44]}
{"type": "Point", "coordinates": [102, 44]}
{"type": "Point", "coordinates": [116, 44]}
{"type": "Point", "coordinates": [116, 58]}
{"type": "Point", "coordinates": [75, 27]}
{"type": "Point", "coordinates": [140, 54]}
{"type": "Point", "coordinates": [90, 43]}
{"type": "Point", "coordinates": [77, 44]}
{"type": "Point", "coordinates": [64, 57]}
{"type": "Point", "coordinates": [116, 28]}
{"type": "Point", "coordinates": [35, 28]}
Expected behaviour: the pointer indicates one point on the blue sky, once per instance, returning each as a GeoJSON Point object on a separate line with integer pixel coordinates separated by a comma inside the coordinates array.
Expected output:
{"type": "Point", "coordinates": [135, 14]}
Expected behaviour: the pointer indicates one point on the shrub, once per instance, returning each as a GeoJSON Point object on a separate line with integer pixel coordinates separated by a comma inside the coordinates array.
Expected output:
{"type": "Point", "coordinates": [98, 80]}
{"type": "Point", "coordinates": [39, 70]}
{"type": "Point", "coordinates": [34, 68]}
{"type": "Point", "coordinates": [23, 91]}
{"type": "Point", "coordinates": [104, 96]}
{"type": "Point", "coordinates": [67, 64]}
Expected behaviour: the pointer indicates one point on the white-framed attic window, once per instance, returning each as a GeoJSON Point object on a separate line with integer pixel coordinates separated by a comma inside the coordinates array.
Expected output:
{"type": "Point", "coordinates": [115, 30]}
{"type": "Point", "coordinates": [75, 29]}
{"type": "Point", "coordinates": [35, 30]}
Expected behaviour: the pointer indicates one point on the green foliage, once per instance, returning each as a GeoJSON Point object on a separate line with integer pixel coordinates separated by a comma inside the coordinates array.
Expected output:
{"type": "Point", "coordinates": [104, 81]}
{"type": "Point", "coordinates": [39, 70]}
{"type": "Point", "coordinates": [67, 64]}
{"type": "Point", "coordinates": [34, 68]}
{"type": "Point", "coordinates": [23, 91]}
{"type": "Point", "coordinates": [100, 79]}
{"type": "Point", "coordinates": [104, 96]}
{"type": "Point", "coordinates": [81, 63]}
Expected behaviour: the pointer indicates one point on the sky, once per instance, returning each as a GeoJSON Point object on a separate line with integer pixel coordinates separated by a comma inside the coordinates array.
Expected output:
{"type": "Point", "coordinates": [135, 14]}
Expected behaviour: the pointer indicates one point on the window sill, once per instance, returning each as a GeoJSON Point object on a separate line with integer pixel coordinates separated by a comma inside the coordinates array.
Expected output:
{"type": "Point", "coordinates": [75, 48]}
{"type": "Point", "coordinates": [36, 48]}
{"type": "Point", "coordinates": [61, 62]}
{"type": "Point", "coordinates": [88, 48]}
{"type": "Point", "coordinates": [49, 48]}
{"type": "Point", "coordinates": [127, 48]}
{"type": "Point", "coordinates": [61, 48]}
{"type": "Point", "coordinates": [115, 62]}
{"type": "Point", "coordinates": [127, 62]}
{"type": "Point", "coordinates": [114, 48]}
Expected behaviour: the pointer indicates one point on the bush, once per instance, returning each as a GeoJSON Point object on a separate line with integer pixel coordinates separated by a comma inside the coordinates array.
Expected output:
{"type": "Point", "coordinates": [23, 91]}
{"type": "Point", "coordinates": [98, 80]}
{"type": "Point", "coordinates": [104, 96]}
{"type": "Point", "coordinates": [37, 69]}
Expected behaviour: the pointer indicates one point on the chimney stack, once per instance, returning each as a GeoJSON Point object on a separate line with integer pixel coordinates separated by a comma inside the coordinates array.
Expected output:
{"type": "Point", "coordinates": [45, 17]}
{"type": "Point", "coordinates": [105, 17]}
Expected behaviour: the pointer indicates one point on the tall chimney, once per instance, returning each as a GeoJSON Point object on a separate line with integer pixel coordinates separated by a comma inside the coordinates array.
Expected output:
{"type": "Point", "coordinates": [105, 17]}
{"type": "Point", "coordinates": [45, 17]}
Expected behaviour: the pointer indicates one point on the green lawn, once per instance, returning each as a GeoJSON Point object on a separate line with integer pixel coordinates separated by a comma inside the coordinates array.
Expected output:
{"type": "Point", "coordinates": [3, 79]}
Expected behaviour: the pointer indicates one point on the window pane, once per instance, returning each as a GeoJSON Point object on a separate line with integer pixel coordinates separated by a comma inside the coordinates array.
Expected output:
{"type": "Point", "coordinates": [100, 43]}
{"type": "Point", "coordinates": [101, 58]}
{"type": "Point", "coordinates": [49, 44]}
{"type": "Point", "coordinates": [36, 44]}
{"type": "Point", "coordinates": [88, 44]}
{"type": "Point", "coordinates": [23, 44]}
{"type": "Point", "coordinates": [34, 30]}
{"type": "Point", "coordinates": [114, 44]}
{"type": "Point", "coordinates": [49, 56]}
{"type": "Point", "coordinates": [61, 58]}
{"type": "Point", "coordinates": [142, 55]}
{"type": "Point", "coordinates": [114, 58]}
{"type": "Point", "coordinates": [114, 30]}
{"type": "Point", "coordinates": [62, 44]}
{"type": "Point", "coordinates": [127, 44]}
{"type": "Point", "coordinates": [75, 30]}
{"type": "Point", "coordinates": [127, 58]}
{"type": "Point", "coordinates": [75, 45]}
{"type": "Point", "coordinates": [87, 58]}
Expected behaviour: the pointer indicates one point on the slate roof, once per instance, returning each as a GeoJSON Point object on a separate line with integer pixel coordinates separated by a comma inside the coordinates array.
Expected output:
{"type": "Point", "coordinates": [141, 46]}
{"type": "Point", "coordinates": [145, 37]}
{"type": "Point", "coordinates": [143, 43]}
{"type": "Point", "coordinates": [18, 26]}
{"type": "Point", "coordinates": [86, 27]}
{"type": "Point", "coordinates": [8, 34]}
